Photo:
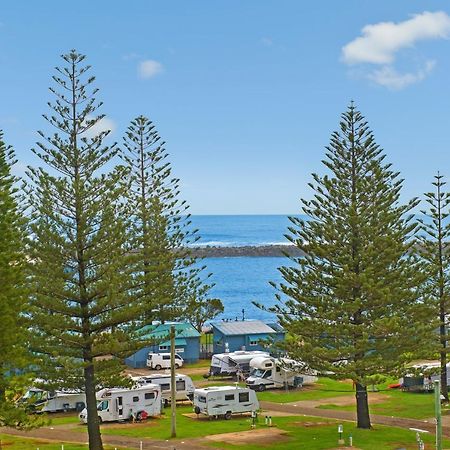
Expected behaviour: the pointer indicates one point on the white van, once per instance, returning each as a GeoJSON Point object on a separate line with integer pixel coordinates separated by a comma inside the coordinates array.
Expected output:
{"type": "Point", "coordinates": [183, 385]}
{"type": "Point", "coordinates": [224, 401]}
{"type": "Point", "coordinates": [269, 373]}
{"type": "Point", "coordinates": [127, 404]}
{"type": "Point", "coordinates": [160, 361]}
{"type": "Point", "coordinates": [40, 401]}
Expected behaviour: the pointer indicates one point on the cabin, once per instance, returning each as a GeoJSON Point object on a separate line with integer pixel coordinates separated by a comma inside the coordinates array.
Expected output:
{"type": "Point", "coordinates": [234, 335]}
{"type": "Point", "coordinates": [187, 343]}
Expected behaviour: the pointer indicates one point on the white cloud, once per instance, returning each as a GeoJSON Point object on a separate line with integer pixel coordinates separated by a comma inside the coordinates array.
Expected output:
{"type": "Point", "coordinates": [380, 43]}
{"type": "Point", "coordinates": [389, 77]}
{"type": "Point", "coordinates": [104, 124]}
{"type": "Point", "coordinates": [149, 68]}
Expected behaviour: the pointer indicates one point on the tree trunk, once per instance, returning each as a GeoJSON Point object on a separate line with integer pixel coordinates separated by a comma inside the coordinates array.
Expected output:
{"type": "Point", "coordinates": [93, 424]}
{"type": "Point", "coordinates": [362, 407]}
{"type": "Point", "coordinates": [444, 387]}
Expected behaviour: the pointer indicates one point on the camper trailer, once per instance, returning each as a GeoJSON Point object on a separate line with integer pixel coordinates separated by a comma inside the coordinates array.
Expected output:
{"type": "Point", "coordinates": [40, 401]}
{"type": "Point", "coordinates": [223, 401]}
{"type": "Point", "coordinates": [183, 385]}
{"type": "Point", "coordinates": [229, 364]}
{"type": "Point", "coordinates": [422, 376]}
{"type": "Point", "coordinates": [160, 361]}
{"type": "Point", "coordinates": [117, 404]}
{"type": "Point", "coordinates": [269, 373]}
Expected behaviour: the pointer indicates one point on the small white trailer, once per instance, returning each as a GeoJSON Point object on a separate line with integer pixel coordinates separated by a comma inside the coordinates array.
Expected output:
{"type": "Point", "coordinates": [39, 400]}
{"type": "Point", "coordinates": [229, 364]}
{"type": "Point", "coordinates": [269, 373]}
{"type": "Point", "coordinates": [116, 404]}
{"type": "Point", "coordinates": [184, 386]}
{"type": "Point", "coordinates": [223, 401]}
{"type": "Point", "coordinates": [160, 361]}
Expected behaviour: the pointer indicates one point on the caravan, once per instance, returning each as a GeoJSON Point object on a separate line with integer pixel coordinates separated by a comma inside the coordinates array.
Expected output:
{"type": "Point", "coordinates": [183, 385]}
{"type": "Point", "coordinates": [40, 401]}
{"type": "Point", "coordinates": [269, 373]}
{"type": "Point", "coordinates": [224, 401]}
{"type": "Point", "coordinates": [229, 364]}
{"type": "Point", "coordinates": [117, 404]}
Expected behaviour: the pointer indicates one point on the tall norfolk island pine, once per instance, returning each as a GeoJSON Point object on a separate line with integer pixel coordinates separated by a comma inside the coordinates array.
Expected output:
{"type": "Point", "coordinates": [434, 249]}
{"type": "Point", "coordinates": [79, 235]}
{"type": "Point", "coordinates": [169, 280]}
{"type": "Point", "coordinates": [13, 295]}
{"type": "Point", "coordinates": [351, 305]}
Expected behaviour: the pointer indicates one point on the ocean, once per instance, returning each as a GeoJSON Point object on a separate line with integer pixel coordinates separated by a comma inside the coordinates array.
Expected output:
{"type": "Point", "coordinates": [241, 280]}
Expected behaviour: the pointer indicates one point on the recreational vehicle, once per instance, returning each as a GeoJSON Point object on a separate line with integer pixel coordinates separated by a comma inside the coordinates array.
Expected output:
{"type": "Point", "coordinates": [229, 364]}
{"type": "Point", "coordinates": [117, 404]}
{"type": "Point", "coordinates": [160, 361]}
{"type": "Point", "coordinates": [223, 401]}
{"type": "Point", "coordinates": [269, 373]}
{"type": "Point", "coordinates": [183, 385]}
{"type": "Point", "coordinates": [41, 401]}
{"type": "Point", "coordinates": [422, 376]}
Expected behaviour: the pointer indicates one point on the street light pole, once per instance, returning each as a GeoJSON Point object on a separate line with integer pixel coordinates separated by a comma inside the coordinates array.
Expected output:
{"type": "Point", "coordinates": [173, 392]}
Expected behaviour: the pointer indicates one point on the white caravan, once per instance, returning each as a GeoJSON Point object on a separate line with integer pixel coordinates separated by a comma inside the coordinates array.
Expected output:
{"type": "Point", "coordinates": [224, 401]}
{"type": "Point", "coordinates": [39, 400]}
{"type": "Point", "coordinates": [115, 404]}
{"type": "Point", "coordinates": [228, 364]}
{"type": "Point", "coordinates": [269, 373]}
{"type": "Point", "coordinates": [160, 361]}
{"type": "Point", "coordinates": [183, 385]}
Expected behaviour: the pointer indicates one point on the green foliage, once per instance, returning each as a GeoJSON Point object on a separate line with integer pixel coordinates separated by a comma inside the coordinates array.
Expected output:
{"type": "Point", "coordinates": [15, 358]}
{"type": "Point", "coordinates": [79, 243]}
{"type": "Point", "coordinates": [169, 278]}
{"type": "Point", "coordinates": [352, 304]}
{"type": "Point", "coordinates": [433, 247]}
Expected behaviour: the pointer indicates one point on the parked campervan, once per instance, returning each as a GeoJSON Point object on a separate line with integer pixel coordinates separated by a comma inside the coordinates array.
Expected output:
{"type": "Point", "coordinates": [183, 385]}
{"type": "Point", "coordinates": [229, 364]}
{"type": "Point", "coordinates": [160, 361]}
{"type": "Point", "coordinates": [39, 400]}
{"type": "Point", "coordinates": [269, 373]}
{"type": "Point", "coordinates": [116, 404]}
{"type": "Point", "coordinates": [223, 401]}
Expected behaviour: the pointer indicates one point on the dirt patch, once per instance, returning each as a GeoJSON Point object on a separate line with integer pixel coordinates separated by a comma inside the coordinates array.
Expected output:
{"type": "Point", "coordinates": [265, 436]}
{"type": "Point", "coordinates": [343, 400]}
{"type": "Point", "coordinates": [311, 424]}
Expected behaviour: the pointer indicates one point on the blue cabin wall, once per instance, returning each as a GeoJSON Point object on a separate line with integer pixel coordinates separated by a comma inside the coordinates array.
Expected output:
{"type": "Point", "coordinates": [237, 342]}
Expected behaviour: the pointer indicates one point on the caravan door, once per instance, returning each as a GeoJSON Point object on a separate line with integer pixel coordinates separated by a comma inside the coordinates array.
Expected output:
{"type": "Point", "coordinates": [119, 404]}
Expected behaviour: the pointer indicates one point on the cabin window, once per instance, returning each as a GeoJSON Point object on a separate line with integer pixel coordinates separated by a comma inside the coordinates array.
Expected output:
{"type": "Point", "coordinates": [244, 397]}
{"type": "Point", "coordinates": [229, 396]}
{"type": "Point", "coordinates": [253, 342]}
{"type": "Point", "coordinates": [165, 387]}
{"type": "Point", "coordinates": [166, 357]}
{"type": "Point", "coordinates": [164, 347]}
{"type": "Point", "coordinates": [267, 374]}
{"type": "Point", "coordinates": [268, 364]}
{"type": "Point", "coordinates": [149, 357]}
{"type": "Point", "coordinates": [102, 406]}
{"type": "Point", "coordinates": [181, 385]}
{"type": "Point", "coordinates": [136, 399]}
{"type": "Point", "coordinates": [202, 399]}
{"type": "Point", "coordinates": [149, 395]}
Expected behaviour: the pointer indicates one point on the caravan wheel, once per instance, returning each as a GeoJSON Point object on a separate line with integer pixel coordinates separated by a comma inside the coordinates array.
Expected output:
{"type": "Point", "coordinates": [158, 367]}
{"type": "Point", "coordinates": [227, 415]}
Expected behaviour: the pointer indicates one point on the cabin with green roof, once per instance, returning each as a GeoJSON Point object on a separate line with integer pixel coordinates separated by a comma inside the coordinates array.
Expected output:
{"type": "Point", "coordinates": [187, 343]}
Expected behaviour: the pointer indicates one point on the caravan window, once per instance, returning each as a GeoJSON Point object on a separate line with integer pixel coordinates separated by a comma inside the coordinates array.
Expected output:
{"type": "Point", "coordinates": [136, 399]}
{"type": "Point", "coordinates": [149, 395]}
{"type": "Point", "coordinates": [102, 406]}
{"type": "Point", "coordinates": [268, 364]}
{"type": "Point", "coordinates": [229, 396]}
{"type": "Point", "coordinates": [165, 387]}
{"type": "Point", "coordinates": [181, 385]}
{"type": "Point", "coordinates": [267, 374]}
{"type": "Point", "coordinates": [201, 399]}
{"type": "Point", "coordinates": [244, 397]}
{"type": "Point", "coordinates": [166, 357]}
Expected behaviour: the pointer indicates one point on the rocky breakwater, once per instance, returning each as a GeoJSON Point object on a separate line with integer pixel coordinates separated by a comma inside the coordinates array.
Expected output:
{"type": "Point", "coordinates": [248, 251]}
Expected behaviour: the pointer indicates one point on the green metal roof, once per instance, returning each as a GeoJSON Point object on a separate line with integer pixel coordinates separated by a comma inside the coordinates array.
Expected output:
{"type": "Point", "coordinates": [182, 330]}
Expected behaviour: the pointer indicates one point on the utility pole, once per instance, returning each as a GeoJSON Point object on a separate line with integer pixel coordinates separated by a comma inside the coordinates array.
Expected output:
{"type": "Point", "coordinates": [437, 406]}
{"type": "Point", "coordinates": [173, 392]}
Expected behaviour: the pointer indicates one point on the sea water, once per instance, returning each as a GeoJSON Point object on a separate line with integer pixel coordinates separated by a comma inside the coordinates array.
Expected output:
{"type": "Point", "coordinates": [240, 281]}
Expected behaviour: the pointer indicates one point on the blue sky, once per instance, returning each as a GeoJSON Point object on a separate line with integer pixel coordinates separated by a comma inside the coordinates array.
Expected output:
{"type": "Point", "coordinates": [245, 93]}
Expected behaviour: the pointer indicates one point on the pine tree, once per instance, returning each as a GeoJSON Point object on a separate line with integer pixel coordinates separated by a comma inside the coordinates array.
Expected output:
{"type": "Point", "coordinates": [15, 359]}
{"type": "Point", "coordinates": [351, 304]}
{"type": "Point", "coordinates": [78, 243]}
{"type": "Point", "coordinates": [169, 277]}
{"type": "Point", "coordinates": [433, 245]}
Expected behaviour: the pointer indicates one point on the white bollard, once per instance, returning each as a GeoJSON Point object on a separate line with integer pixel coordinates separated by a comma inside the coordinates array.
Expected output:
{"type": "Point", "coordinates": [140, 446]}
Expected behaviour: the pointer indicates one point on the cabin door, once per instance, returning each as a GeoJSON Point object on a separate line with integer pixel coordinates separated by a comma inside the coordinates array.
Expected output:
{"type": "Point", "coordinates": [120, 408]}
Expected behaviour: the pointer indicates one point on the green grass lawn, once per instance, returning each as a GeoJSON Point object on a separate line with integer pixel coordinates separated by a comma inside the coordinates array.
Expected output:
{"type": "Point", "coordinates": [325, 388]}
{"type": "Point", "coordinates": [62, 419]}
{"type": "Point", "coordinates": [20, 443]}
{"type": "Point", "coordinates": [200, 363]}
